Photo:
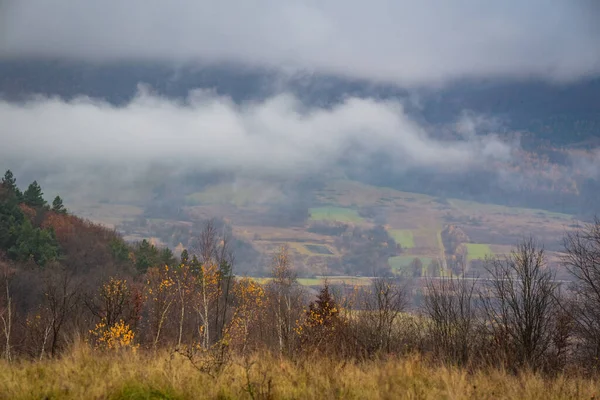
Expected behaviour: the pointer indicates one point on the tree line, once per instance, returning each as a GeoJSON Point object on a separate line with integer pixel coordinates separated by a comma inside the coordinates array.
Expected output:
{"type": "Point", "coordinates": [96, 288]}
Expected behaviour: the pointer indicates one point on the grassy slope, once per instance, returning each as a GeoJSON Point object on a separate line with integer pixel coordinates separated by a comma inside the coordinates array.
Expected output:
{"type": "Point", "coordinates": [85, 374]}
{"type": "Point", "coordinates": [339, 214]}
{"type": "Point", "coordinates": [403, 236]}
{"type": "Point", "coordinates": [401, 262]}
{"type": "Point", "coordinates": [477, 251]}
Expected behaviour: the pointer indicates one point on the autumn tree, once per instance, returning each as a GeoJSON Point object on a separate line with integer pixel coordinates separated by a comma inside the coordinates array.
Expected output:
{"type": "Point", "coordinates": [214, 281]}
{"type": "Point", "coordinates": [161, 296]}
{"type": "Point", "coordinates": [322, 323]}
{"type": "Point", "coordinates": [116, 301]}
{"type": "Point", "coordinates": [184, 286]}
{"type": "Point", "coordinates": [250, 302]}
{"type": "Point", "coordinates": [284, 296]}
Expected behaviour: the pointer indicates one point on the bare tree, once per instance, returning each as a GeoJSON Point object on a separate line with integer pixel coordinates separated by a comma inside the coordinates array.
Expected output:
{"type": "Point", "coordinates": [520, 305]}
{"type": "Point", "coordinates": [582, 259]}
{"type": "Point", "coordinates": [215, 251]}
{"type": "Point", "coordinates": [283, 296]}
{"type": "Point", "coordinates": [62, 295]}
{"type": "Point", "coordinates": [452, 317]}
{"type": "Point", "coordinates": [7, 310]}
{"type": "Point", "coordinates": [383, 305]}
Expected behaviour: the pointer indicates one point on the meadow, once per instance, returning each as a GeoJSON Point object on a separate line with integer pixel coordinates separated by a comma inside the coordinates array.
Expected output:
{"type": "Point", "coordinates": [404, 237]}
{"type": "Point", "coordinates": [479, 251]}
{"type": "Point", "coordinates": [400, 263]}
{"type": "Point", "coordinates": [90, 374]}
{"type": "Point", "coordinates": [339, 214]}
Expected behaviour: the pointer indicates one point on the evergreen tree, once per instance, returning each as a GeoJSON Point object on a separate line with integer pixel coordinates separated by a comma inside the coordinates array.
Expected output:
{"type": "Point", "coordinates": [34, 244]}
{"type": "Point", "coordinates": [185, 257]}
{"type": "Point", "coordinates": [167, 257]}
{"type": "Point", "coordinates": [119, 249]}
{"type": "Point", "coordinates": [10, 182]}
{"type": "Point", "coordinates": [146, 256]}
{"type": "Point", "coordinates": [33, 196]}
{"type": "Point", "coordinates": [11, 216]}
{"type": "Point", "coordinates": [195, 265]}
{"type": "Point", "coordinates": [57, 206]}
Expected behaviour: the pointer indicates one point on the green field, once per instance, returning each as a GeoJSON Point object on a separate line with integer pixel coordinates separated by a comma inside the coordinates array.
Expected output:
{"type": "Point", "coordinates": [310, 281]}
{"type": "Point", "coordinates": [230, 194]}
{"type": "Point", "coordinates": [339, 214]}
{"type": "Point", "coordinates": [472, 206]}
{"type": "Point", "coordinates": [399, 263]}
{"type": "Point", "coordinates": [320, 281]}
{"type": "Point", "coordinates": [318, 249]}
{"type": "Point", "coordinates": [478, 251]}
{"type": "Point", "coordinates": [404, 237]}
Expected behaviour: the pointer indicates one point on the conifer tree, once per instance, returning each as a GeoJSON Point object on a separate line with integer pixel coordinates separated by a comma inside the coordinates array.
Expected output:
{"type": "Point", "coordinates": [185, 257]}
{"type": "Point", "coordinates": [10, 182]}
{"type": "Point", "coordinates": [57, 206]}
{"type": "Point", "coordinates": [33, 196]}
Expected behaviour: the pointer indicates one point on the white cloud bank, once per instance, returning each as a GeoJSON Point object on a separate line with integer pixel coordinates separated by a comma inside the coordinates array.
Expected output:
{"type": "Point", "coordinates": [277, 135]}
{"type": "Point", "coordinates": [401, 41]}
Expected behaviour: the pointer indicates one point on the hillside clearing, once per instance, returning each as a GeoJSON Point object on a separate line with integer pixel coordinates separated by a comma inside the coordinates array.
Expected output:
{"type": "Point", "coordinates": [404, 237]}
{"type": "Point", "coordinates": [478, 251]}
{"type": "Point", "coordinates": [338, 214]}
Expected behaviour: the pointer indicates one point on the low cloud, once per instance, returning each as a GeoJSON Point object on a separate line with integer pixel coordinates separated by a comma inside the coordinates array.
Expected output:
{"type": "Point", "coordinates": [402, 41]}
{"type": "Point", "coordinates": [277, 136]}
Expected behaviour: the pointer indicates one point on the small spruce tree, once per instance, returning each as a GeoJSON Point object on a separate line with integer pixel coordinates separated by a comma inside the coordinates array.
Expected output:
{"type": "Point", "coordinates": [57, 206]}
{"type": "Point", "coordinates": [33, 196]}
{"type": "Point", "coordinates": [185, 257]}
{"type": "Point", "coordinates": [10, 182]}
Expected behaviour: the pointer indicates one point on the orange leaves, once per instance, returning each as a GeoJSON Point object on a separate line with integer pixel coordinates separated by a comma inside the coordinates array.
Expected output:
{"type": "Point", "coordinates": [251, 301]}
{"type": "Point", "coordinates": [113, 337]}
{"type": "Point", "coordinates": [159, 282]}
{"type": "Point", "coordinates": [28, 211]}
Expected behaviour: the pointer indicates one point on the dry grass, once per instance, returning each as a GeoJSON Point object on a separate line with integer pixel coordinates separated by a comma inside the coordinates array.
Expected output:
{"type": "Point", "coordinates": [90, 375]}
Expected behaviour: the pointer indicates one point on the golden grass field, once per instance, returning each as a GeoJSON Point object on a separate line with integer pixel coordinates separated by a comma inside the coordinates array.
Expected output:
{"type": "Point", "coordinates": [86, 374]}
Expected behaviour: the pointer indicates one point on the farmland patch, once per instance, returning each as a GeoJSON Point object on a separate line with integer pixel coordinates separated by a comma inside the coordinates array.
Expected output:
{"type": "Point", "coordinates": [404, 237]}
{"type": "Point", "coordinates": [478, 251]}
{"type": "Point", "coordinates": [339, 214]}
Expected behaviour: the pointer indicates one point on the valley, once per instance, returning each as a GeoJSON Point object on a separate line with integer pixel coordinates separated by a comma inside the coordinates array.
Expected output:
{"type": "Point", "coordinates": [413, 222]}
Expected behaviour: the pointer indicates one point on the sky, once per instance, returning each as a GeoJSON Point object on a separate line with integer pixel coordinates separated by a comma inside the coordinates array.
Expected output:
{"type": "Point", "coordinates": [397, 42]}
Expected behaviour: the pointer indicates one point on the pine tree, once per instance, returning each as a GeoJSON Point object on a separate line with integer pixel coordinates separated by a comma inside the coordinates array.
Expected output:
{"type": "Point", "coordinates": [10, 182]}
{"type": "Point", "coordinates": [195, 265]}
{"type": "Point", "coordinates": [33, 196]}
{"type": "Point", "coordinates": [167, 257]}
{"type": "Point", "coordinates": [185, 257]}
{"type": "Point", "coordinates": [57, 206]}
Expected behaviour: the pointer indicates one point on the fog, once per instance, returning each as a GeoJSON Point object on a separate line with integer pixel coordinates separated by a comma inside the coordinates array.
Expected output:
{"type": "Point", "coordinates": [404, 42]}
{"type": "Point", "coordinates": [277, 136]}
